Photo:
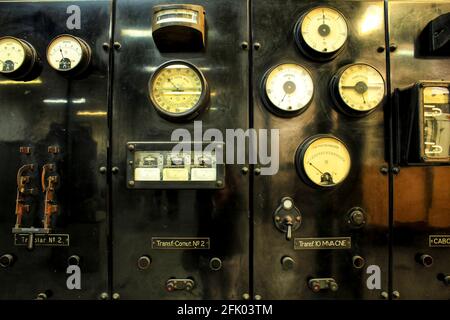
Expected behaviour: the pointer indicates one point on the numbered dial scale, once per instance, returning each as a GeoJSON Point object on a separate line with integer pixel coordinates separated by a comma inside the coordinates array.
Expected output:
{"type": "Point", "coordinates": [69, 54]}
{"type": "Point", "coordinates": [17, 57]}
{"type": "Point", "coordinates": [178, 90]}
{"type": "Point", "coordinates": [287, 89]}
{"type": "Point", "coordinates": [321, 33]}
{"type": "Point", "coordinates": [323, 161]}
{"type": "Point", "coordinates": [358, 89]}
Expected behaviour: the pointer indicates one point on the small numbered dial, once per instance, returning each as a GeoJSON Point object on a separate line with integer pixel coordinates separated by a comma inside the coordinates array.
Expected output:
{"type": "Point", "coordinates": [322, 32]}
{"type": "Point", "coordinates": [288, 89]}
{"type": "Point", "coordinates": [323, 161]}
{"type": "Point", "coordinates": [178, 89]}
{"type": "Point", "coordinates": [360, 88]}
{"type": "Point", "coordinates": [12, 54]}
{"type": "Point", "coordinates": [68, 53]}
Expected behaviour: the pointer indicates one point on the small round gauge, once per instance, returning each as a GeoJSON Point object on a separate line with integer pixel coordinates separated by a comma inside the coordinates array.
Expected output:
{"type": "Point", "coordinates": [69, 54]}
{"type": "Point", "coordinates": [323, 161]}
{"type": "Point", "coordinates": [287, 89]}
{"type": "Point", "coordinates": [321, 33]}
{"type": "Point", "coordinates": [178, 90]}
{"type": "Point", "coordinates": [358, 89]}
{"type": "Point", "coordinates": [17, 57]}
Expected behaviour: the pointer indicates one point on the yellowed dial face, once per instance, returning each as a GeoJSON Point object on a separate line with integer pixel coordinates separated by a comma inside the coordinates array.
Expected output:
{"type": "Point", "coordinates": [176, 88]}
{"type": "Point", "coordinates": [289, 87]}
{"type": "Point", "coordinates": [64, 53]}
{"type": "Point", "coordinates": [326, 161]}
{"type": "Point", "coordinates": [361, 87]}
{"type": "Point", "coordinates": [324, 30]}
{"type": "Point", "coordinates": [12, 54]}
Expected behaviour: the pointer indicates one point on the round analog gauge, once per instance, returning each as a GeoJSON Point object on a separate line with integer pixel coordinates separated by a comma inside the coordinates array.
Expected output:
{"type": "Point", "coordinates": [68, 54]}
{"type": "Point", "coordinates": [321, 33]}
{"type": "Point", "coordinates": [323, 161]}
{"type": "Point", "coordinates": [178, 90]}
{"type": "Point", "coordinates": [358, 89]}
{"type": "Point", "coordinates": [288, 89]}
{"type": "Point", "coordinates": [17, 57]}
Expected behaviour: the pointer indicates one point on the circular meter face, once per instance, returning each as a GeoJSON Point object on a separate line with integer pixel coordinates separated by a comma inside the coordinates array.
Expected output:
{"type": "Point", "coordinates": [12, 54]}
{"type": "Point", "coordinates": [288, 89]}
{"type": "Point", "coordinates": [322, 32]}
{"type": "Point", "coordinates": [178, 90]}
{"type": "Point", "coordinates": [67, 53]}
{"type": "Point", "coordinates": [323, 161]}
{"type": "Point", "coordinates": [360, 88]}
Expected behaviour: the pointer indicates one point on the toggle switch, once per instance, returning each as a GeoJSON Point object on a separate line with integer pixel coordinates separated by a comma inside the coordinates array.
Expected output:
{"type": "Point", "coordinates": [287, 217]}
{"type": "Point", "coordinates": [6, 260]}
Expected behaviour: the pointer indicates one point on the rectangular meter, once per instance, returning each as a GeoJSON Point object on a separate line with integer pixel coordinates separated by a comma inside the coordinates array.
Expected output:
{"type": "Point", "coordinates": [159, 165]}
{"type": "Point", "coordinates": [423, 118]}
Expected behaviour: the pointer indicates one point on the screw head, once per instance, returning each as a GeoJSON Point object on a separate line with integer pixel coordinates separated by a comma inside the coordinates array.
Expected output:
{"type": "Point", "coordinates": [102, 170]}
{"type": "Point", "coordinates": [117, 45]}
{"type": "Point", "coordinates": [396, 295]}
{"type": "Point", "coordinates": [116, 296]}
{"type": "Point", "coordinates": [384, 295]}
{"type": "Point", "coordinates": [105, 46]}
{"type": "Point", "coordinates": [258, 297]}
{"type": "Point", "coordinates": [257, 45]}
{"type": "Point", "coordinates": [384, 170]}
{"type": "Point", "coordinates": [103, 296]}
{"type": "Point", "coordinates": [131, 183]}
{"type": "Point", "coordinates": [219, 183]}
{"type": "Point", "coordinates": [246, 296]}
{"type": "Point", "coordinates": [131, 147]}
{"type": "Point", "coordinates": [380, 49]}
{"type": "Point", "coordinates": [244, 45]}
{"type": "Point", "coordinates": [257, 171]}
{"type": "Point", "coordinates": [244, 170]}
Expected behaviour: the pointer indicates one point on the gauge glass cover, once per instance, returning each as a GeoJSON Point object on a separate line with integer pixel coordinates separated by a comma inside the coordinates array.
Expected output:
{"type": "Point", "coordinates": [176, 88]}
{"type": "Point", "coordinates": [64, 53]}
{"type": "Point", "coordinates": [326, 161]}
{"type": "Point", "coordinates": [361, 87]}
{"type": "Point", "coordinates": [12, 55]}
{"type": "Point", "coordinates": [324, 30]}
{"type": "Point", "coordinates": [289, 87]}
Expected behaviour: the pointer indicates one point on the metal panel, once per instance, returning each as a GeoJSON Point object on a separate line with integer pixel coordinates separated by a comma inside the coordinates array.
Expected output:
{"type": "Point", "coordinates": [140, 215]}
{"type": "Point", "coordinates": [71, 114]}
{"type": "Point", "coordinates": [421, 194]}
{"type": "Point", "coordinates": [324, 212]}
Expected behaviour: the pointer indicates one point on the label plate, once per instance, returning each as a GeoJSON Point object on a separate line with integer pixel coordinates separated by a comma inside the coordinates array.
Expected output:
{"type": "Point", "coordinates": [333, 243]}
{"type": "Point", "coordinates": [439, 241]}
{"type": "Point", "coordinates": [176, 243]}
{"type": "Point", "coordinates": [43, 240]}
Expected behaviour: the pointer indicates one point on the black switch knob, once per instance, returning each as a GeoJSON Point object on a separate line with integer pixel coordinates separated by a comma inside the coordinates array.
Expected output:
{"type": "Point", "coordinates": [73, 260]}
{"type": "Point", "coordinates": [356, 217]}
{"type": "Point", "coordinates": [144, 262]}
{"type": "Point", "coordinates": [424, 259]}
{"type": "Point", "coordinates": [287, 263]}
{"type": "Point", "coordinates": [6, 260]}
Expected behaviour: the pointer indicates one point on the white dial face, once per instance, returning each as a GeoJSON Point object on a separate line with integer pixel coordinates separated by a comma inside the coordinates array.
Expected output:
{"type": "Point", "coordinates": [64, 53]}
{"type": "Point", "coordinates": [361, 87]}
{"type": "Point", "coordinates": [324, 30]}
{"type": "Point", "coordinates": [12, 55]}
{"type": "Point", "coordinates": [327, 162]}
{"type": "Point", "coordinates": [289, 87]}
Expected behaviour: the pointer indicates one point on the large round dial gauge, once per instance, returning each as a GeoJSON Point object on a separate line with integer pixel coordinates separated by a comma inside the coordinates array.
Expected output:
{"type": "Point", "coordinates": [321, 33]}
{"type": "Point", "coordinates": [287, 89]}
{"type": "Point", "coordinates": [358, 89]}
{"type": "Point", "coordinates": [323, 161]}
{"type": "Point", "coordinates": [17, 57]}
{"type": "Point", "coordinates": [69, 54]}
{"type": "Point", "coordinates": [178, 90]}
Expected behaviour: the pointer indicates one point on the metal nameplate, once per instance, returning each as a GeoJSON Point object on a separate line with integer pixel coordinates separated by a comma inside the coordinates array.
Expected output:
{"type": "Point", "coordinates": [170, 243]}
{"type": "Point", "coordinates": [44, 240]}
{"type": "Point", "coordinates": [439, 241]}
{"type": "Point", "coordinates": [322, 243]}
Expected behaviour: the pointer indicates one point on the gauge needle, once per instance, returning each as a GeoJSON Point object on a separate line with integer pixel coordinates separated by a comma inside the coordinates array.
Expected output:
{"type": "Point", "coordinates": [62, 55]}
{"type": "Point", "coordinates": [369, 87]}
{"type": "Point", "coordinates": [283, 99]}
{"type": "Point", "coordinates": [315, 168]}
{"type": "Point", "coordinates": [364, 99]}
{"type": "Point", "coordinates": [323, 16]}
{"type": "Point", "coordinates": [178, 89]}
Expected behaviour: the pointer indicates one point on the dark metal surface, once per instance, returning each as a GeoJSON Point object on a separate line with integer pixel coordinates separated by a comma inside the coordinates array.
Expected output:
{"type": "Point", "coordinates": [70, 114]}
{"type": "Point", "coordinates": [421, 194]}
{"type": "Point", "coordinates": [324, 212]}
{"type": "Point", "coordinates": [139, 215]}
